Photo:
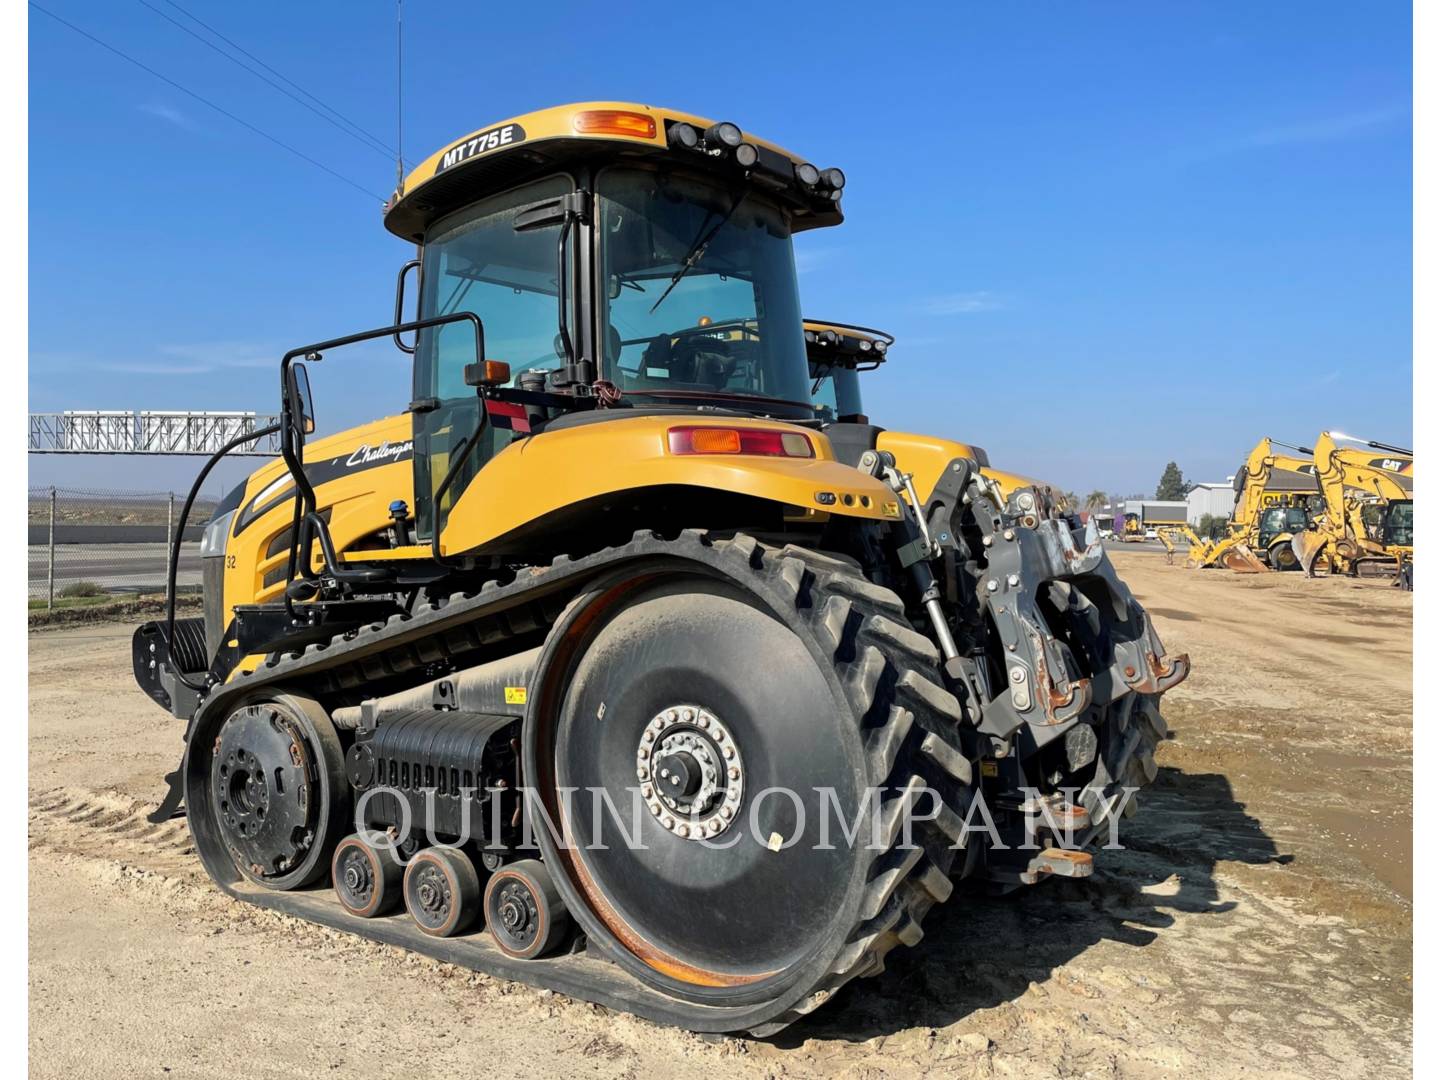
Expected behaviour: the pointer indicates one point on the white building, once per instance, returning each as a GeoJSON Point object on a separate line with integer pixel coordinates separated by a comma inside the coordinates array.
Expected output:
{"type": "Point", "coordinates": [1217, 500]}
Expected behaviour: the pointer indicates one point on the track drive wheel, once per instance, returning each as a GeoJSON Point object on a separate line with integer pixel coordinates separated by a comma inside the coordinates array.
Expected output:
{"type": "Point", "coordinates": [273, 794]}
{"type": "Point", "coordinates": [367, 878]}
{"type": "Point", "coordinates": [442, 891]}
{"type": "Point", "coordinates": [524, 911]}
{"type": "Point", "coordinates": [782, 692]}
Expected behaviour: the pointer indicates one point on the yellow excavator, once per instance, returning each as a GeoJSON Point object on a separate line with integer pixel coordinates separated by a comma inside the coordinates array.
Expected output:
{"type": "Point", "coordinates": [1274, 492]}
{"type": "Point", "coordinates": [607, 665]}
{"type": "Point", "coordinates": [1368, 510]}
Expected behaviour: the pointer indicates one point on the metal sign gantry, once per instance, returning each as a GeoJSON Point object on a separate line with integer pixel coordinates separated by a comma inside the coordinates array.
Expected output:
{"type": "Point", "coordinates": [102, 431]}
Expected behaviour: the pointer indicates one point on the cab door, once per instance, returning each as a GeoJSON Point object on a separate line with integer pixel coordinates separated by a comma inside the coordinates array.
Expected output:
{"type": "Point", "coordinates": [474, 260]}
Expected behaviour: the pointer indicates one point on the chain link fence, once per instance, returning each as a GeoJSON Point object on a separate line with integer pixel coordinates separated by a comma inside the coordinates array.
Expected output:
{"type": "Point", "coordinates": [89, 544]}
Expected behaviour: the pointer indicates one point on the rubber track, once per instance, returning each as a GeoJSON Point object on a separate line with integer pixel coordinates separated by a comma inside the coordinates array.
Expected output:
{"type": "Point", "coordinates": [888, 671]}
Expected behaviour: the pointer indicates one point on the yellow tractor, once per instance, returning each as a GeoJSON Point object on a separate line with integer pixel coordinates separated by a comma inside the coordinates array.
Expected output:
{"type": "Point", "coordinates": [1274, 493]}
{"type": "Point", "coordinates": [606, 665]}
{"type": "Point", "coordinates": [838, 352]}
{"type": "Point", "coordinates": [1368, 493]}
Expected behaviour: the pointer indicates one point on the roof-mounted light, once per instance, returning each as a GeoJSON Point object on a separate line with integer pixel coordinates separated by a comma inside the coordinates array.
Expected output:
{"type": "Point", "coordinates": [746, 154]}
{"type": "Point", "coordinates": [807, 174]}
{"type": "Point", "coordinates": [833, 178]}
{"type": "Point", "coordinates": [724, 134]}
{"type": "Point", "coordinates": [615, 122]}
{"type": "Point", "coordinates": [683, 136]}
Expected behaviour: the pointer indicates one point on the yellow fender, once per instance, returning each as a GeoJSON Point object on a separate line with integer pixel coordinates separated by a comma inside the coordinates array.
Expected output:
{"type": "Point", "coordinates": [568, 466]}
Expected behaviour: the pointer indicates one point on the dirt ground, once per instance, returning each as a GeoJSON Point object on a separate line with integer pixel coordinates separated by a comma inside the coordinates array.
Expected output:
{"type": "Point", "coordinates": [1258, 921]}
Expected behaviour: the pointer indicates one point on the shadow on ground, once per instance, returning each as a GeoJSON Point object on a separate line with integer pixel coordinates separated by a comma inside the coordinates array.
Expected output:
{"type": "Point", "coordinates": [981, 951]}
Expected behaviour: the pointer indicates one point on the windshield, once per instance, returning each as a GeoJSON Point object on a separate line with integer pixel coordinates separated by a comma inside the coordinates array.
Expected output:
{"type": "Point", "coordinates": [835, 390]}
{"type": "Point", "coordinates": [700, 291]}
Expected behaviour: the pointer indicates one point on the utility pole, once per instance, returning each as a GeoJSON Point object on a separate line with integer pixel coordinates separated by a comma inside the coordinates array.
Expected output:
{"type": "Point", "coordinates": [50, 576]}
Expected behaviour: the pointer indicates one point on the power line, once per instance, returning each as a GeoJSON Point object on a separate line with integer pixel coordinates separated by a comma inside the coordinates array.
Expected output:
{"type": "Point", "coordinates": [364, 140]}
{"type": "Point", "coordinates": [207, 102]}
{"type": "Point", "coordinates": [355, 130]}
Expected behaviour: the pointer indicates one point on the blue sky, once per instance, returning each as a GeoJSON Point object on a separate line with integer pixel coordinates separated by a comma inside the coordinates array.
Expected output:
{"type": "Point", "coordinates": [1106, 235]}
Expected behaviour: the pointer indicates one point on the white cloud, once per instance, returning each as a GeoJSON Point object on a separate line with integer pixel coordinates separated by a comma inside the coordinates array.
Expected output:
{"type": "Point", "coordinates": [169, 114]}
{"type": "Point", "coordinates": [225, 354]}
{"type": "Point", "coordinates": [808, 260]}
{"type": "Point", "coordinates": [126, 367]}
{"type": "Point", "coordinates": [961, 303]}
{"type": "Point", "coordinates": [199, 359]}
{"type": "Point", "coordinates": [1337, 128]}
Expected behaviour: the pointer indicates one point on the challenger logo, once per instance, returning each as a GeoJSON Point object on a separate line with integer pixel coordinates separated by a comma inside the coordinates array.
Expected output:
{"type": "Point", "coordinates": [384, 454]}
{"type": "Point", "coordinates": [361, 458]}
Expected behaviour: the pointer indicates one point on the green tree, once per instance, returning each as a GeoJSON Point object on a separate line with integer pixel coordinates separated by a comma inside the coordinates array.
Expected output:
{"type": "Point", "coordinates": [1095, 500]}
{"type": "Point", "coordinates": [1213, 526]}
{"type": "Point", "coordinates": [1172, 484]}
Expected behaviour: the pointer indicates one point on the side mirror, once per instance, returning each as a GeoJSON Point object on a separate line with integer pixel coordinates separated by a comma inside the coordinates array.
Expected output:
{"type": "Point", "coordinates": [302, 405]}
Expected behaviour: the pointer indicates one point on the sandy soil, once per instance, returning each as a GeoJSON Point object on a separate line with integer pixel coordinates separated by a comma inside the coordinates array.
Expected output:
{"type": "Point", "coordinates": [1258, 921]}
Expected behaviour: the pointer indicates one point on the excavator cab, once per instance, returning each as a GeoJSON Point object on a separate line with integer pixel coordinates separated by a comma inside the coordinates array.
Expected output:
{"type": "Point", "coordinates": [1397, 526]}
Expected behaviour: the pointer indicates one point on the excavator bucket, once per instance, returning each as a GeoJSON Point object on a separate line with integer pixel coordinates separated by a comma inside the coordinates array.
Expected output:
{"type": "Point", "coordinates": [1308, 547]}
{"type": "Point", "coordinates": [1243, 561]}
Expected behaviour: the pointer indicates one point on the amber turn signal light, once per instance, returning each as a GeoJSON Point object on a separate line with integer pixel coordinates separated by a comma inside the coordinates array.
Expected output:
{"type": "Point", "coordinates": [615, 122]}
{"type": "Point", "coordinates": [487, 373]}
{"type": "Point", "coordinates": [763, 442]}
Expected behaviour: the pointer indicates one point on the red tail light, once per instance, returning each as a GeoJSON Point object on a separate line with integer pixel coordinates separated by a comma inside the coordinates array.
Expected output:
{"type": "Point", "coordinates": [764, 442]}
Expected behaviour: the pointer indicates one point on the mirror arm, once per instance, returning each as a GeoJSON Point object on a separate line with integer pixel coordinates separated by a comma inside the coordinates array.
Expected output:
{"type": "Point", "coordinates": [292, 425]}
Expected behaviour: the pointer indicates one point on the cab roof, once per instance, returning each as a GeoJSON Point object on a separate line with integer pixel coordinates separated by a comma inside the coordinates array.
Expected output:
{"type": "Point", "coordinates": [499, 156]}
{"type": "Point", "coordinates": [835, 343]}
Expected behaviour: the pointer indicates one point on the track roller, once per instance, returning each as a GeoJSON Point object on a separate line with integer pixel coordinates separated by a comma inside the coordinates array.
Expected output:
{"type": "Point", "coordinates": [367, 880]}
{"type": "Point", "coordinates": [523, 910]}
{"type": "Point", "coordinates": [442, 891]}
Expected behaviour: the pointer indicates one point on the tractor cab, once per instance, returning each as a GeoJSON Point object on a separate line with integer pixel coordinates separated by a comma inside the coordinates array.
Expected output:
{"type": "Point", "coordinates": [837, 353]}
{"type": "Point", "coordinates": [620, 257]}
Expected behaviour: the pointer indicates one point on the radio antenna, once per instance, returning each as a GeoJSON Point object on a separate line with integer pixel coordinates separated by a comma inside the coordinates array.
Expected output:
{"type": "Point", "coordinates": [399, 97]}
